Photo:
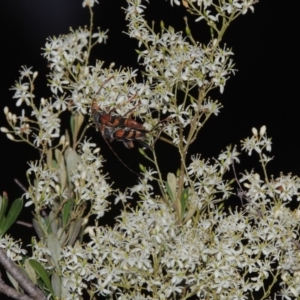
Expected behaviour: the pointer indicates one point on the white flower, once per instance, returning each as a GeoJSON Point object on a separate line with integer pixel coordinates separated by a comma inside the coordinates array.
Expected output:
{"type": "Point", "coordinates": [101, 36]}
{"type": "Point", "coordinates": [122, 197]}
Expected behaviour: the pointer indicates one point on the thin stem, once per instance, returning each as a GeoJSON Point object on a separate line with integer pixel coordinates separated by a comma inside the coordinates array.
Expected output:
{"type": "Point", "coordinates": [160, 182]}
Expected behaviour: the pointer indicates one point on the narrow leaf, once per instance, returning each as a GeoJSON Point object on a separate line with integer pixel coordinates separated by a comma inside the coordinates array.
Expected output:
{"type": "Point", "coordinates": [53, 222]}
{"type": "Point", "coordinates": [3, 205]}
{"type": "Point", "coordinates": [62, 172]}
{"type": "Point", "coordinates": [72, 124]}
{"type": "Point", "coordinates": [54, 247]}
{"type": "Point", "coordinates": [171, 185]}
{"type": "Point", "coordinates": [2, 225]}
{"type": "Point", "coordinates": [169, 191]}
{"type": "Point", "coordinates": [143, 153]}
{"type": "Point", "coordinates": [72, 159]}
{"type": "Point", "coordinates": [13, 214]}
{"type": "Point", "coordinates": [142, 168]}
{"type": "Point", "coordinates": [66, 211]}
{"type": "Point", "coordinates": [38, 229]}
{"type": "Point", "coordinates": [56, 285]}
{"type": "Point", "coordinates": [192, 207]}
{"type": "Point", "coordinates": [13, 281]}
{"type": "Point", "coordinates": [184, 199]}
{"type": "Point", "coordinates": [43, 274]}
{"type": "Point", "coordinates": [58, 155]}
{"type": "Point", "coordinates": [62, 236]}
{"type": "Point", "coordinates": [30, 271]}
{"type": "Point", "coordinates": [74, 231]}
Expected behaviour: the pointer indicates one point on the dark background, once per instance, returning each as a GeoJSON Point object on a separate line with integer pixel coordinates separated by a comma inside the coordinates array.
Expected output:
{"type": "Point", "coordinates": [263, 92]}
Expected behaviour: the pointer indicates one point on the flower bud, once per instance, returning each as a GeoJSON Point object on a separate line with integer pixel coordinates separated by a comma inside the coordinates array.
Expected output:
{"type": "Point", "coordinates": [4, 129]}
{"type": "Point", "coordinates": [254, 131]}
{"type": "Point", "coordinates": [263, 130]}
{"type": "Point", "coordinates": [285, 276]}
{"type": "Point", "coordinates": [62, 140]}
{"type": "Point", "coordinates": [90, 231]}
{"type": "Point", "coordinates": [277, 213]}
{"type": "Point", "coordinates": [96, 151]}
{"type": "Point", "coordinates": [6, 110]}
{"type": "Point", "coordinates": [11, 137]}
{"type": "Point", "coordinates": [188, 223]}
{"type": "Point", "coordinates": [35, 74]}
{"type": "Point", "coordinates": [57, 188]}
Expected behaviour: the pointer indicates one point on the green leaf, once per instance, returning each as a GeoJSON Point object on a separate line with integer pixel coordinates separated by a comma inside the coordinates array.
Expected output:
{"type": "Point", "coordinates": [12, 214]}
{"type": "Point", "coordinates": [72, 124]}
{"type": "Point", "coordinates": [171, 185]}
{"type": "Point", "coordinates": [169, 191]}
{"type": "Point", "coordinates": [58, 155]}
{"type": "Point", "coordinates": [188, 31]}
{"type": "Point", "coordinates": [53, 222]}
{"type": "Point", "coordinates": [45, 222]}
{"type": "Point", "coordinates": [3, 205]}
{"type": "Point", "coordinates": [54, 164]}
{"type": "Point", "coordinates": [66, 211]}
{"type": "Point", "coordinates": [13, 281]}
{"type": "Point", "coordinates": [38, 229]}
{"type": "Point", "coordinates": [72, 159]}
{"type": "Point", "coordinates": [142, 152]}
{"type": "Point", "coordinates": [192, 207]}
{"type": "Point", "coordinates": [78, 118]}
{"type": "Point", "coordinates": [62, 236]}
{"type": "Point", "coordinates": [183, 200]}
{"type": "Point", "coordinates": [62, 168]}
{"type": "Point", "coordinates": [63, 175]}
{"type": "Point", "coordinates": [30, 271]}
{"type": "Point", "coordinates": [2, 225]}
{"type": "Point", "coordinates": [43, 274]}
{"type": "Point", "coordinates": [56, 285]}
{"type": "Point", "coordinates": [49, 158]}
{"type": "Point", "coordinates": [142, 168]}
{"type": "Point", "coordinates": [54, 247]}
{"type": "Point", "coordinates": [74, 231]}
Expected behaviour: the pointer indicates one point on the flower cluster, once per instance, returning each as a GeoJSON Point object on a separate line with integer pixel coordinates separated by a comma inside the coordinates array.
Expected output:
{"type": "Point", "coordinates": [209, 11]}
{"type": "Point", "coordinates": [13, 248]}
